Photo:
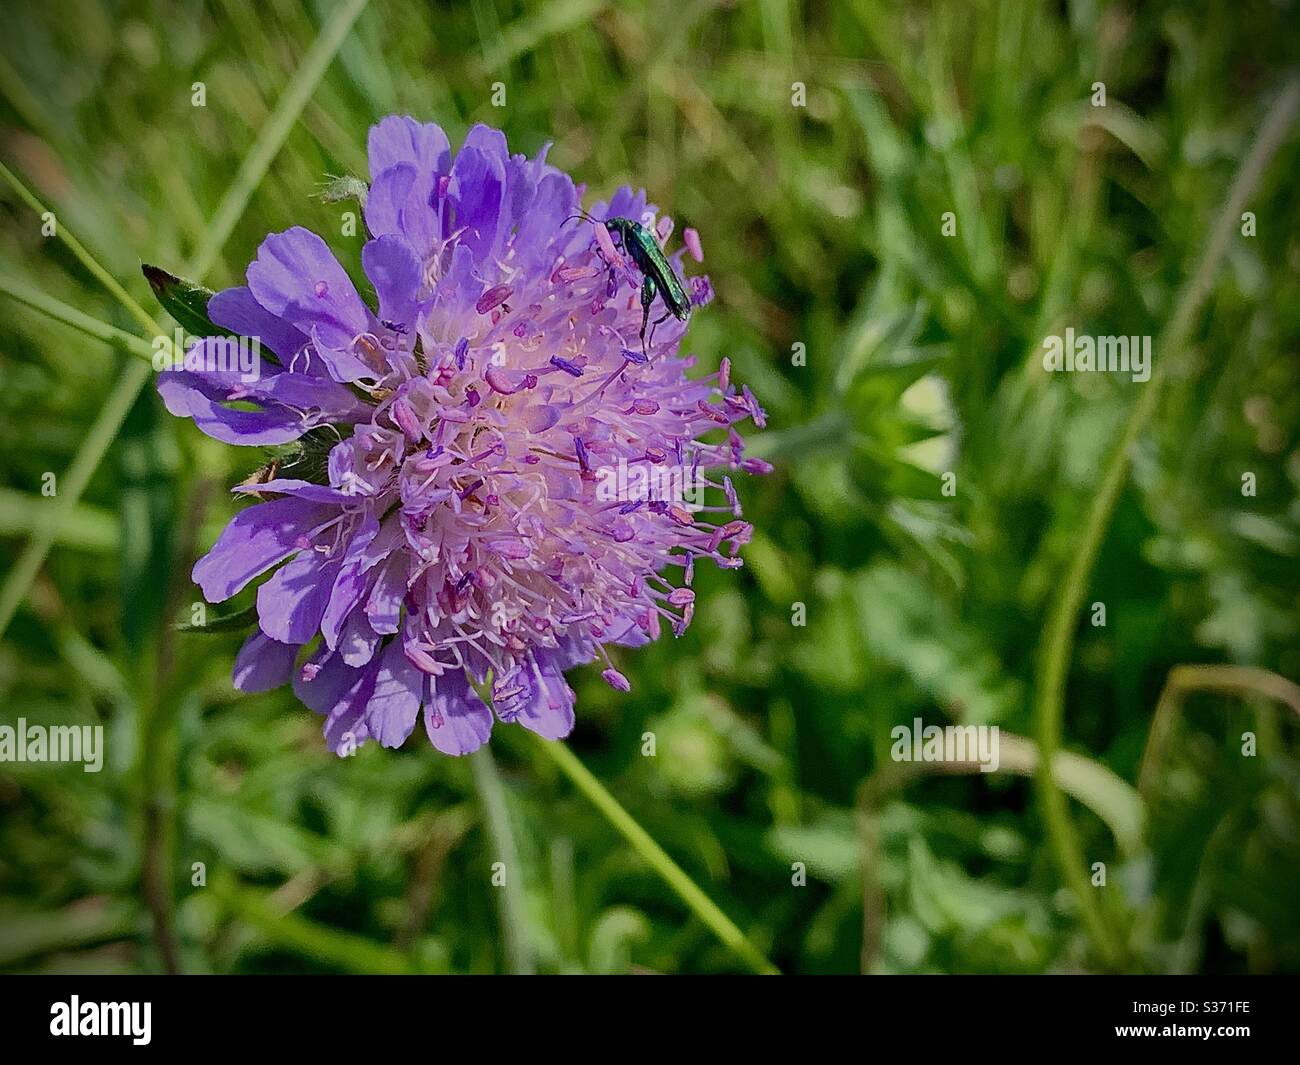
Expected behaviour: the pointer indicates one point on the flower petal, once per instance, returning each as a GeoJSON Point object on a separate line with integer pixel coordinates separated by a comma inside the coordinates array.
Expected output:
{"type": "Point", "coordinates": [263, 664]}
{"type": "Point", "coordinates": [358, 641]}
{"type": "Point", "coordinates": [394, 270]}
{"type": "Point", "coordinates": [395, 704]}
{"type": "Point", "coordinates": [323, 681]}
{"type": "Point", "coordinates": [341, 361]}
{"type": "Point", "coordinates": [384, 605]}
{"type": "Point", "coordinates": [458, 289]}
{"type": "Point", "coordinates": [350, 584]}
{"type": "Point", "coordinates": [536, 696]}
{"type": "Point", "coordinates": [236, 309]}
{"type": "Point", "coordinates": [345, 725]}
{"type": "Point", "coordinates": [317, 493]}
{"type": "Point", "coordinates": [555, 199]}
{"type": "Point", "coordinates": [290, 605]}
{"type": "Point", "coordinates": [456, 719]}
{"type": "Point", "coordinates": [407, 161]}
{"type": "Point", "coordinates": [297, 278]}
{"type": "Point", "coordinates": [401, 139]}
{"type": "Point", "coordinates": [389, 193]}
{"type": "Point", "coordinates": [253, 542]}
{"type": "Point", "coordinates": [190, 395]}
{"type": "Point", "coordinates": [322, 395]}
{"type": "Point", "coordinates": [476, 194]}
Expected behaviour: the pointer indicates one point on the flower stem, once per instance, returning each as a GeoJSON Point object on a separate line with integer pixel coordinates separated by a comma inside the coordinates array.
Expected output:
{"type": "Point", "coordinates": [1058, 636]}
{"type": "Point", "coordinates": [656, 857]}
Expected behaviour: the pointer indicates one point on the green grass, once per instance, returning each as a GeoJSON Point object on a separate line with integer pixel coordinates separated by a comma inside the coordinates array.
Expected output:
{"type": "Point", "coordinates": [888, 354]}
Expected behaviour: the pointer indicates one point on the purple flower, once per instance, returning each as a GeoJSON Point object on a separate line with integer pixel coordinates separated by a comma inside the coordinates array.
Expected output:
{"type": "Point", "coordinates": [503, 485]}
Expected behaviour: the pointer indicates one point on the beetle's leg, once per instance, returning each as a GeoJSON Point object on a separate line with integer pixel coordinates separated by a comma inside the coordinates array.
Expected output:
{"type": "Point", "coordinates": [648, 292]}
{"type": "Point", "coordinates": [655, 325]}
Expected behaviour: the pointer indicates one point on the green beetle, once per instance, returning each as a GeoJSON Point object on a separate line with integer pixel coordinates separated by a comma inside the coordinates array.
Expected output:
{"type": "Point", "coordinates": [659, 278]}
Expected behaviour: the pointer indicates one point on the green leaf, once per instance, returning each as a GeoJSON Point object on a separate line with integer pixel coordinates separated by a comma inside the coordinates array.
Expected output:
{"type": "Point", "coordinates": [186, 301]}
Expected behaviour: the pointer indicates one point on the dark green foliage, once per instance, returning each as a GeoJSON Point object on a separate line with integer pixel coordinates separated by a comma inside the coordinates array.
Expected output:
{"type": "Point", "coordinates": [888, 354]}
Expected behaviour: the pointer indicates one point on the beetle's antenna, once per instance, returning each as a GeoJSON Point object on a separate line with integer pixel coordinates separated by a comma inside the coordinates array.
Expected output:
{"type": "Point", "coordinates": [584, 216]}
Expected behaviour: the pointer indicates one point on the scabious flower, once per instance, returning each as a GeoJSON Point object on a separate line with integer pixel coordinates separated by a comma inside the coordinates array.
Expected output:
{"type": "Point", "coordinates": [442, 525]}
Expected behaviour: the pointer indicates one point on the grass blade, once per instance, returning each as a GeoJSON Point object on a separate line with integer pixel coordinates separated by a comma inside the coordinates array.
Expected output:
{"type": "Point", "coordinates": [1058, 637]}
{"type": "Point", "coordinates": [102, 433]}
{"type": "Point", "coordinates": [146, 320]}
{"type": "Point", "coordinates": [73, 482]}
{"type": "Point", "coordinates": [272, 135]}
{"type": "Point", "coordinates": [510, 900]}
{"type": "Point", "coordinates": [92, 327]}
{"type": "Point", "coordinates": [657, 858]}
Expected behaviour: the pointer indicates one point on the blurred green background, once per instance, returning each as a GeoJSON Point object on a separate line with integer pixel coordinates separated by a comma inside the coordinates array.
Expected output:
{"type": "Point", "coordinates": [886, 353]}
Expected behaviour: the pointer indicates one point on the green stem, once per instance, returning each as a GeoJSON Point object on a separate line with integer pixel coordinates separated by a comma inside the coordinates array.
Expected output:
{"type": "Point", "coordinates": [510, 900]}
{"type": "Point", "coordinates": [146, 320]}
{"type": "Point", "coordinates": [656, 857]}
{"type": "Point", "coordinates": [110, 418]}
{"type": "Point", "coordinates": [28, 935]}
{"type": "Point", "coordinates": [70, 486]}
{"type": "Point", "coordinates": [158, 739]}
{"type": "Point", "coordinates": [62, 312]}
{"type": "Point", "coordinates": [89, 528]}
{"type": "Point", "coordinates": [1058, 637]}
{"type": "Point", "coordinates": [272, 135]}
{"type": "Point", "coordinates": [269, 140]}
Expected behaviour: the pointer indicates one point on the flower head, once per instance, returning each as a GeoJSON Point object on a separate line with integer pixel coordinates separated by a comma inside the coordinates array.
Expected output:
{"type": "Point", "coordinates": [479, 490]}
